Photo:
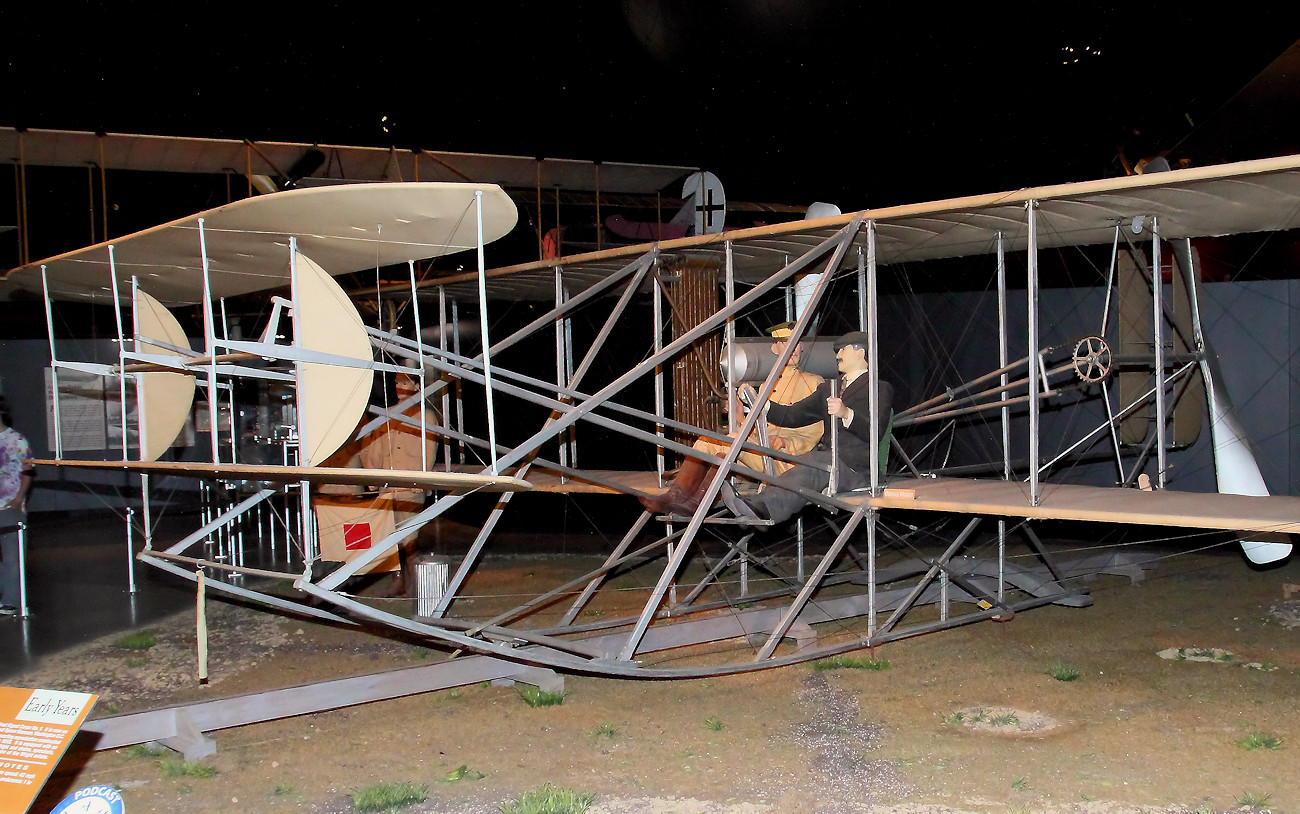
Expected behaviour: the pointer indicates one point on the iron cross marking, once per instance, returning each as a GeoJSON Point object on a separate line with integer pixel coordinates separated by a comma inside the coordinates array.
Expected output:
{"type": "Point", "coordinates": [708, 207]}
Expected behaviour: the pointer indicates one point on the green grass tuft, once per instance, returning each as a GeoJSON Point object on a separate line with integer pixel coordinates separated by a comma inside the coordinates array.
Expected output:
{"type": "Point", "coordinates": [1005, 719]}
{"type": "Point", "coordinates": [714, 723]}
{"type": "Point", "coordinates": [604, 731]}
{"type": "Point", "coordinates": [550, 800]}
{"type": "Point", "coordinates": [284, 791]}
{"type": "Point", "coordinates": [536, 697]}
{"type": "Point", "coordinates": [388, 796]}
{"type": "Point", "coordinates": [1255, 801]}
{"type": "Point", "coordinates": [1258, 740]}
{"type": "Point", "coordinates": [177, 767]}
{"type": "Point", "coordinates": [462, 773]}
{"type": "Point", "coordinates": [850, 663]}
{"type": "Point", "coordinates": [140, 640]}
{"type": "Point", "coordinates": [144, 750]}
{"type": "Point", "coordinates": [1064, 672]}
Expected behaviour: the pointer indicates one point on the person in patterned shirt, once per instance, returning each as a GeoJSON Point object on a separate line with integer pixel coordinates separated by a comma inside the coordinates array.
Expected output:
{"type": "Point", "coordinates": [15, 480]}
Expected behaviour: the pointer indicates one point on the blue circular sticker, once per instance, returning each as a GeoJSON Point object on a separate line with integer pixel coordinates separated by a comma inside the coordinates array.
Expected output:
{"type": "Point", "coordinates": [91, 800]}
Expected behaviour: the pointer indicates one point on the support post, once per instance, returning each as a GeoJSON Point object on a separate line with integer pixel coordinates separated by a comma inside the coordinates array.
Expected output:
{"type": "Point", "coordinates": [730, 330]}
{"type": "Point", "coordinates": [210, 339]}
{"type": "Point", "coordinates": [54, 365]}
{"type": "Point", "coordinates": [1003, 380]}
{"type": "Point", "coordinates": [873, 357]}
{"type": "Point", "coordinates": [657, 336]}
{"type": "Point", "coordinates": [1158, 341]}
{"type": "Point", "coordinates": [483, 329]}
{"type": "Point", "coordinates": [1032, 285]}
{"type": "Point", "coordinates": [419, 343]}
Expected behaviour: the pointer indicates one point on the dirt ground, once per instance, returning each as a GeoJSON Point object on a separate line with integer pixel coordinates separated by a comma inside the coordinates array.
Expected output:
{"type": "Point", "coordinates": [966, 720]}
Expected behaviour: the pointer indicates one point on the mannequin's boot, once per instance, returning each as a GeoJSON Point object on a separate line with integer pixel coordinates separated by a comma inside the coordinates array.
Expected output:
{"type": "Point", "coordinates": [690, 502]}
{"type": "Point", "coordinates": [684, 487]}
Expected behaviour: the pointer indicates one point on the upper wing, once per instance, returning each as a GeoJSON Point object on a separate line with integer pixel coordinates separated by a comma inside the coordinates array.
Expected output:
{"type": "Point", "coordinates": [343, 228]}
{"type": "Point", "coordinates": [1250, 196]}
{"type": "Point", "coordinates": [383, 478]}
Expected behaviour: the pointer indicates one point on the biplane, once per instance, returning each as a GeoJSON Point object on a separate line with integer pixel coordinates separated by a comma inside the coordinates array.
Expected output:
{"type": "Point", "coordinates": [933, 542]}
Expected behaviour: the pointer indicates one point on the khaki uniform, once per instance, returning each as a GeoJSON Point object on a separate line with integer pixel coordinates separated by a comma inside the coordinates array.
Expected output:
{"type": "Point", "coordinates": [793, 385]}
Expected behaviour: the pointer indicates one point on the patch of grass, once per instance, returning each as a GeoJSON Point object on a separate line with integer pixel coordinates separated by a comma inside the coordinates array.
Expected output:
{"type": "Point", "coordinates": [462, 773]}
{"type": "Point", "coordinates": [140, 640]}
{"type": "Point", "coordinates": [604, 731]}
{"type": "Point", "coordinates": [550, 800]}
{"type": "Point", "coordinates": [1258, 802]}
{"type": "Point", "coordinates": [388, 796]}
{"type": "Point", "coordinates": [1064, 672]}
{"type": "Point", "coordinates": [1258, 740]}
{"type": "Point", "coordinates": [135, 662]}
{"type": "Point", "coordinates": [144, 750]}
{"type": "Point", "coordinates": [954, 718]}
{"type": "Point", "coordinates": [179, 767]}
{"type": "Point", "coordinates": [713, 723]}
{"type": "Point", "coordinates": [850, 663]}
{"type": "Point", "coordinates": [1005, 719]}
{"type": "Point", "coordinates": [284, 791]}
{"type": "Point", "coordinates": [536, 697]}
{"type": "Point", "coordinates": [1020, 784]}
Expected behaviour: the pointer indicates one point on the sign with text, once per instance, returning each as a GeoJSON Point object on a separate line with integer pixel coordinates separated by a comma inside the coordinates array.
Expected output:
{"type": "Point", "coordinates": [36, 727]}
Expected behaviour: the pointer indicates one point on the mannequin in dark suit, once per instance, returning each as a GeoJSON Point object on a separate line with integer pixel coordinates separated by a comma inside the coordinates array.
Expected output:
{"type": "Point", "coordinates": [853, 408]}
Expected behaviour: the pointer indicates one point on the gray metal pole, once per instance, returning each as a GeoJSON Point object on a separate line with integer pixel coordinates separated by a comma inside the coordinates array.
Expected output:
{"type": "Point", "coordinates": [419, 342]}
{"type": "Point", "coordinates": [873, 356]}
{"type": "Point", "coordinates": [1003, 360]}
{"type": "Point", "coordinates": [560, 367]}
{"type": "Point", "coordinates": [1158, 339]}
{"type": "Point", "coordinates": [657, 337]}
{"type": "Point", "coordinates": [54, 367]}
{"type": "Point", "coordinates": [1033, 352]}
{"type": "Point", "coordinates": [730, 339]}
{"type": "Point", "coordinates": [121, 354]}
{"type": "Point", "coordinates": [446, 391]}
{"type": "Point", "coordinates": [483, 329]}
{"type": "Point", "coordinates": [862, 291]}
{"type": "Point", "coordinates": [210, 339]}
{"type": "Point", "coordinates": [23, 610]}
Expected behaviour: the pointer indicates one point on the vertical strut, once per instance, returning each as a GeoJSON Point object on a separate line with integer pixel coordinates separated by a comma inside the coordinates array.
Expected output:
{"type": "Point", "coordinates": [1033, 352]}
{"type": "Point", "coordinates": [1003, 361]}
{"type": "Point", "coordinates": [1158, 340]}
{"type": "Point", "coordinates": [873, 357]}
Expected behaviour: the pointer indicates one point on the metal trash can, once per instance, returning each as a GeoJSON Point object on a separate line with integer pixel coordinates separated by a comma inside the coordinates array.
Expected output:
{"type": "Point", "coordinates": [431, 572]}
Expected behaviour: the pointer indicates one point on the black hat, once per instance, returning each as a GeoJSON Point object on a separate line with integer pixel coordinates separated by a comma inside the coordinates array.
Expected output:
{"type": "Point", "coordinates": [858, 338]}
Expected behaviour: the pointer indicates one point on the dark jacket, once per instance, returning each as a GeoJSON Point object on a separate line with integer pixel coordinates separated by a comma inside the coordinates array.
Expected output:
{"type": "Point", "coordinates": [855, 440]}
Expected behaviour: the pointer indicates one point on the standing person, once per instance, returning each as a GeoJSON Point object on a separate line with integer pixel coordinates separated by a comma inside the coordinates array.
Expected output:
{"type": "Point", "coordinates": [15, 480]}
{"type": "Point", "coordinates": [694, 475]}
{"type": "Point", "coordinates": [853, 408]}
